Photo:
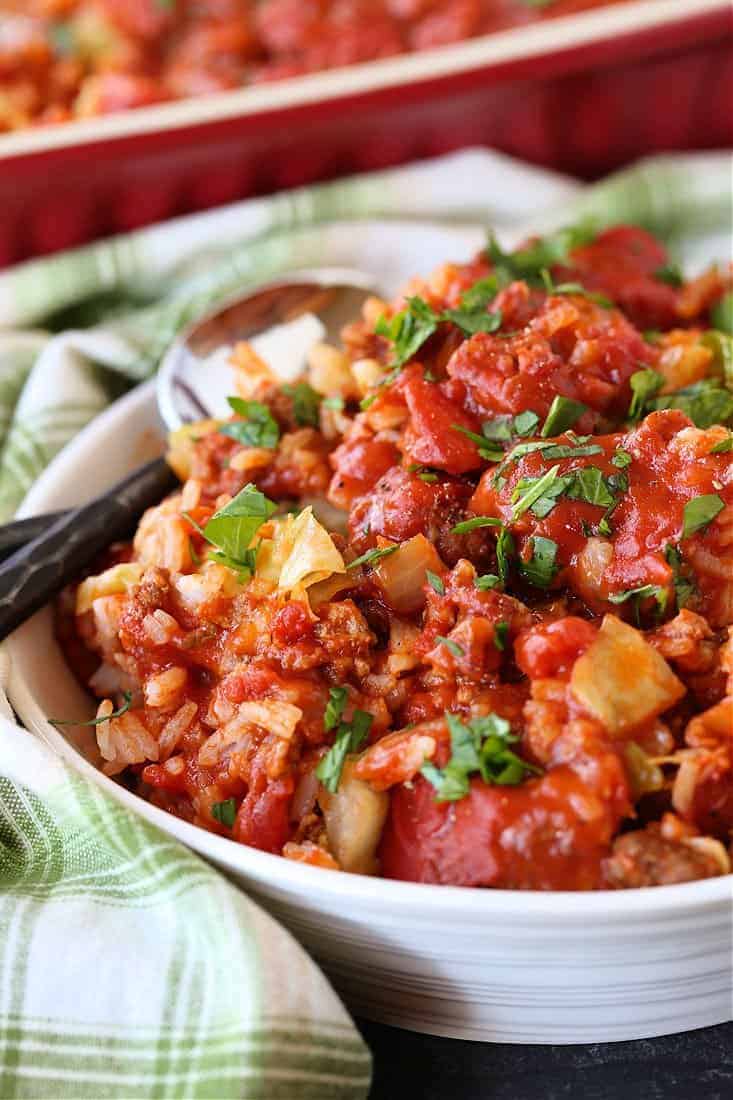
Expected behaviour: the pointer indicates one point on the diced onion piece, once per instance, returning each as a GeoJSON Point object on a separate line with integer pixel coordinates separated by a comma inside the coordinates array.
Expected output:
{"type": "Point", "coordinates": [367, 374]}
{"type": "Point", "coordinates": [329, 372]}
{"type": "Point", "coordinates": [181, 443]}
{"type": "Point", "coordinates": [644, 775]}
{"type": "Point", "coordinates": [402, 574]}
{"type": "Point", "coordinates": [354, 817]}
{"type": "Point", "coordinates": [622, 680]}
{"type": "Point", "coordinates": [114, 581]}
{"type": "Point", "coordinates": [251, 373]}
{"type": "Point", "coordinates": [300, 553]}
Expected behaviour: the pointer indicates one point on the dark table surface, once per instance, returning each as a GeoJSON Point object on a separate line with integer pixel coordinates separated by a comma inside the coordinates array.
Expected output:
{"type": "Point", "coordinates": [695, 1066]}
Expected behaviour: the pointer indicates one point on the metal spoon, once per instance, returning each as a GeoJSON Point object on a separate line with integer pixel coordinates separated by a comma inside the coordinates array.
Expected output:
{"type": "Point", "coordinates": [282, 320]}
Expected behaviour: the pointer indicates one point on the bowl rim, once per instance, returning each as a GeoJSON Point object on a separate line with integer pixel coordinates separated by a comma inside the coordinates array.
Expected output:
{"type": "Point", "coordinates": [575, 31]}
{"type": "Point", "coordinates": [461, 902]}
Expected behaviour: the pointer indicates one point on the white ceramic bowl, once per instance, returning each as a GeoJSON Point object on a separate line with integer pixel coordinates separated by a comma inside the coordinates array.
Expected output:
{"type": "Point", "coordinates": [495, 965]}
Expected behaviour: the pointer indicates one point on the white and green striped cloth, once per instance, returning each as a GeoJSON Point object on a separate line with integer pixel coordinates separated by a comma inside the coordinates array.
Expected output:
{"type": "Point", "coordinates": [128, 967]}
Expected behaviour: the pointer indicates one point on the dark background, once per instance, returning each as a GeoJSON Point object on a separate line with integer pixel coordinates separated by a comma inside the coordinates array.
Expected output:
{"type": "Point", "coordinates": [695, 1066]}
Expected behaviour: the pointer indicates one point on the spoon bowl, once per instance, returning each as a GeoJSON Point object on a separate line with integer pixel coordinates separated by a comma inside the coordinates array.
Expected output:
{"type": "Point", "coordinates": [283, 321]}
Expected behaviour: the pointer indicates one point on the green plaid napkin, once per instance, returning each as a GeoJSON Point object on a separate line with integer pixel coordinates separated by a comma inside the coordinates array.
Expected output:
{"type": "Point", "coordinates": [129, 968]}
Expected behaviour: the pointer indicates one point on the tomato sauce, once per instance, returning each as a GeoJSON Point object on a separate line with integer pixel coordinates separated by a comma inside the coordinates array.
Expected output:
{"type": "Point", "coordinates": [496, 653]}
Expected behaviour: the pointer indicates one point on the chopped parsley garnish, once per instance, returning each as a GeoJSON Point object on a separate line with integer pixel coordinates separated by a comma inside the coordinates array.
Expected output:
{"type": "Point", "coordinates": [423, 472]}
{"type": "Point", "coordinates": [225, 812]}
{"type": "Point", "coordinates": [540, 487]}
{"type": "Point", "coordinates": [724, 446]}
{"type": "Point", "coordinates": [590, 485]}
{"type": "Point", "coordinates": [563, 413]}
{"type": "Point", "coordinates": [621, 459]}
{"type": "Point", "coordinates": [337, 699]}
{"type": "Point", "coordinates": [336, 403]}
{"type": "Point", "coordinates": [350, 736]}
{"type": "Point", "coordinates": [645, 384]}
{"type": "Point", "coordinates": [573, 288]}
{"type": "Point", "coordinates": [472, 321]}
{"type": "Point", "coordinates": [487, 449]}
{"type": "Point", "coordinates": [371, 556]}
{"type": "Point", "coordinates": [525, 422]}
{"type": "Point", "coordinates": [684, 586]}
{"type": "Point", "coordinates": [527, 263]}
{"type": "Point", "coordinates": [467, 525]}
{"type": "Point", "coordinates": [481, 746]}
{"type": "Point", "coordinates": [670, 273]}
{"type": "Point", "coordinates": [233, 527]}
{"type": "Point", "coordinates": [257, 428]}
{"type": "Point", "coordinates": [700, 512]}
{"type": "Point", "coordinates": [435, 582]}
{"type": "Point", "coordinates": [486, 581]}
{"type": "Point", "coordinates": [452, 647]}
{"type": "Point", "coordinates": [409, 329]}
{"type": "Point", "coordinates": [504, 553]}
{"type": "Point", "coordinates": [643, 592]}
{"type": "Point", "coordinates": [705, 402]}
{"type": "Point", "coordinates": [126, 695]}
{"type": "Point", "coordinates": [722, 313]}
{"type": "Point", "coordinates": [501, 632]}
{"type": "Point", "coordinates": [540, 570]}
{"type": "Point", "coordinates": [306, 404]}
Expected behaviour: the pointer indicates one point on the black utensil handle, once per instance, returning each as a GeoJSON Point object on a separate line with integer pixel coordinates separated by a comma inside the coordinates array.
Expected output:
{"type": "Point", "coordinates": [31, 576]}
{"type": "Point", "coordinates": [19, 532]}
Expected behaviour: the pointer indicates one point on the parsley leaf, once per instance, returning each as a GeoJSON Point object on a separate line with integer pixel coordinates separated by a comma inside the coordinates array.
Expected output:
{"type": "Point", "coordinates": [467, 525]}
{"type": "Point", "coordinates": [527, 263]}
{"type": "Point", "coordinates": [699, 512]}
{"type": "Point", "coordinates": [501, 632]}
{"type": "Point", "coordinates": [472, 321]}
{"type": "Point", "coordinates": [337, 699]}
{"type": "Point", "coordinates": [486, 581]}
{"type": "Point", "coordinates": [590, 485]}
{"type": "Point", "coordinates": [435, 582]}
{"type": "Point", "coordinates": [233, 527]}
{"type": "Point", "coordinates": [722, 313]}
{"type": "Point", "coordinates": [257, 428]}
{"type": "Point", "coordinates": [336, 403]}
{"type": "Point", "coordinates": [408, 330]}
{"type": "Point", "coordinates": [452, 647]}
{"type": "Point", "coordinates": [705, 402]}
{"type": "Point", "coordinates": [541, 486]}
{"type": "Point", "coordinates": [670, 273]}
{"type": "Point", "coordinates": [643, 592]}
{"type": "Point", "coordinates": [126, 695]}
{"type": "Point", "coordinates": [225, 812]}
{"type": "Point", "coordinates": [621, 459]}
{"type": "Point", "coordinates": [525, 422]}
{"type": "Point", "coordinates": [504, 553]}
{"type": "Point", "coordinates": [540, 570]}
{"type": "Point", "coordinates": [573, 288]}
{"type": "Point", "coordinates": [684, 586]}
{"type": "Point", "coordinates": [480, 745]}
{"type": "Point", "coordinates": [350, 736]}
{"type": "Point", "coordinates": [488, 450]}
{"type": "Point", "coordinates": [562, 415]}
{"type": "Point", "coordinates": [372, 556]}
{"type": "Point", "coordinates": [645, 384]}
{"type": "Point", "coordinates": [306, 404]}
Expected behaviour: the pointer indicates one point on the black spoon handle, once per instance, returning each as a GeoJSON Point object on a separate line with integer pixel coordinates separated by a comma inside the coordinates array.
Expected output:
{"type": "Point", "coordinates": [31, 576]}
{"type": "Point", "coordinates": [20, 532]}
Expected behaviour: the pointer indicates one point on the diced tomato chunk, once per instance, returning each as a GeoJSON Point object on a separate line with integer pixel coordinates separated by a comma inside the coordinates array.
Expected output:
{"type": "Point", "coordinates": [552, 650]}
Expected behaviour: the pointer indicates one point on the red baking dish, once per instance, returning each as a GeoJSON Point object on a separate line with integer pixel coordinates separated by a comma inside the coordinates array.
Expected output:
{"type": "Point", "coordinates": [582, 94]}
